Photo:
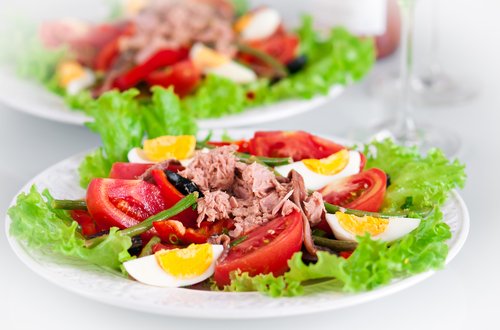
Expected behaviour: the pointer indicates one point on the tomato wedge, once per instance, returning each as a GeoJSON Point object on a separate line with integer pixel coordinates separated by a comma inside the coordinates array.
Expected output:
{"type": "Point", "coordinates": [266, 249]}
{"type": "Point", "coordinates": [131, 171]}
{"type": "Point", "coordinates": [122, 203]}
{"type": "Point", "coordinates": [363, 191]}
{"type": "Point", "coordinates": [296, 144]}
{"type": "Point", "coordinates": [87, 224]}
{"type": "Point", "coordinates": [183, 76]}
{"type": "Point", "coordinates": [171, 196]}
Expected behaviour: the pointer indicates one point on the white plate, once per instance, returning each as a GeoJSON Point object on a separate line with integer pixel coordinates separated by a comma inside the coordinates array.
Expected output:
{"type": "Point", "coordinates": [98, 284]}
{"type": "Point", "coordinates": [30, 97]}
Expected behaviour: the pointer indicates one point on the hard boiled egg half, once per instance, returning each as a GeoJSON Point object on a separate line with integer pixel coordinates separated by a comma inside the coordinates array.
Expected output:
{"type": "Point", "coordinates": [317, 173]}
{"type": "Point", "coordinates": [177, 267]}
{"type": "Point", "coordinates": [210, 61]}
{"type": "Point", "coordinates": [346, 227]}
{"type": "Point", "coordinates": [164, 147]}
{"type": "Point", "coordinates": [72, 76]}
{"type": "Point", "coordinates": [258, 24]}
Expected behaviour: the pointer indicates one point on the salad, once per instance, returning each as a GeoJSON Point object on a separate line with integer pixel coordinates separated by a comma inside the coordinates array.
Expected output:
{"type": "Point", "coordinates": [217, 55]}
{"type": "Point", "coordinates": [284, 212]}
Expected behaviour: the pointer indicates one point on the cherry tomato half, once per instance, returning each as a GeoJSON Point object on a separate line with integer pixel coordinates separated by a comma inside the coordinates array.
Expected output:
{"type": "Point", "coordinates": [266, 249]}
{"type": "Point", "coordinates": [296, 144]}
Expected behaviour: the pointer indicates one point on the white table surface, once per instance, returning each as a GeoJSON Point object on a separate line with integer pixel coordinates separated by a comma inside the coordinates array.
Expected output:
{"type": "Point", "coordinates": [463, 296]}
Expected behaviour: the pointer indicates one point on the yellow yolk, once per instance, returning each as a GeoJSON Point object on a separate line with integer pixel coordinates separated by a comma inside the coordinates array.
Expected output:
{"type": "Point", "coordinates": [68, 71]}
{"type": "Point", "coordinates": [208, 58]}
{"type": "Point", "coordinates": [330, 165]}
{"type": "Point", "coordinates": [186, 263]}
{"type": "Point", "coordinates": [167, 147]}
{"type": "Point", "coordinates": [361, 225]}
{"type": "Point", "coordinates": [242, 22]}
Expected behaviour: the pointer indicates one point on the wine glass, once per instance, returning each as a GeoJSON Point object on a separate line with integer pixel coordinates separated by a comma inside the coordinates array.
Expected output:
{"type": "Point", "coordinates": [435, 86]}
{"type": "Point", "coordinates": [403, 129]}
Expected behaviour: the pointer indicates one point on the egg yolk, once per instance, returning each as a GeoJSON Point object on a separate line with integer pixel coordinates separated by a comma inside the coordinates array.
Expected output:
{"type": "Point", "coordinates": [170, 147]}
{"type": "Point", "coordinates": [330, 165]}
{"type": "Point", "coordinates": [186, 263]}
{"type": "Point", "coordinates": [208, 58]}
{"type": "Point", "coordinates": [361, 225]}
{"type": "Point", "coordinates": [68, 71]}
{"type": "Point", "coordinates": [242, 22]}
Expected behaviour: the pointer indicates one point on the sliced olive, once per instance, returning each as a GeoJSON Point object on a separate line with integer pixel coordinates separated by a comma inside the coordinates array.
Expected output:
{"type": "Point", "coordinates": [185, 186]}
{"type": "Point", "coordinates": [297, 64]}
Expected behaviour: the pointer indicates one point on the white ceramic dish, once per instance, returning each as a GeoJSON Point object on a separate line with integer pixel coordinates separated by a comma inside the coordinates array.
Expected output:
{"type": "Point", "coordinates": [32, 98]}
{"type": "Point", "coordinates": [98, 284]}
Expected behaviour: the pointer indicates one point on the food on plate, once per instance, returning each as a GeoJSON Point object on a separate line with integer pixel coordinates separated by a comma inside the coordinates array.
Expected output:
{"type": "Point", "coordinates": [218, 57]}
{"type": "Point", "coordinates": [250, 214]}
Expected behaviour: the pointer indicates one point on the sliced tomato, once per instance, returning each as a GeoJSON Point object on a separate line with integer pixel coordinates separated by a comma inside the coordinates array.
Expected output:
{"type": "Point", "coordinates": [266, 249]}
{"type": "Point", "coordinates": [170, 231]}
{"type": "Point", "coordinates": [160, 246]}
{"type": "Point", "coordinates": [242, 145]}
{"type": "Point", "coordinates": [131, 171]}
{"type": "Point", "coordinates": [363, 191]}
{"type": "Point", "coordinates": [160, 59]}
{"type": "Point", "coordinates": [123, 203]}
{"type": "Point", "coordinates": [296, 144]}
{"type": "Point", "coordinates": [171, 196]}
{"type": "Point", "coordinates": [183, 76]}
{"type": "Point", "coordinates": [87, 224]}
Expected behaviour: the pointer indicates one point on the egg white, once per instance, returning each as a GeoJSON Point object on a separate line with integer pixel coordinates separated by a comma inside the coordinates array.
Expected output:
{"type": "Point", "coordinates": [84, 81]}
{"type": "Point", "coordinates": [147, 270]}
{"type": "Point", "coordinates": [137, 155]}
{"type": "Point", "coordinates": [397, 228]}
{"type": "Point", "coordinates": [315, 181]}
{"type": "Point", "coordinates": [263, 23]}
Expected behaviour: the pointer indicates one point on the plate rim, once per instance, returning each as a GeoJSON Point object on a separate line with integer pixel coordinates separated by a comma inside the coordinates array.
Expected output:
{"type": "Point", "coordinates": [19, 249]}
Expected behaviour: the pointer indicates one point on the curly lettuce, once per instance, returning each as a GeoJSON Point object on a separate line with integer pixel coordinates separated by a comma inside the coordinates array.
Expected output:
{"type": "Point", "coordinates": [35, 222]}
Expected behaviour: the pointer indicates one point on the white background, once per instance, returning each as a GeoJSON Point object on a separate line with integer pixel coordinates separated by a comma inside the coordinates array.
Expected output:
{"type": "Point", "coordinates": [463, 296]}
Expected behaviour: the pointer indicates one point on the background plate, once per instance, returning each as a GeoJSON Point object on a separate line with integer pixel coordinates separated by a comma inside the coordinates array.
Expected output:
{"type": "Point", "coordinates": [96, 283]}
{"type": "Point", "coordinates": [32, 98]}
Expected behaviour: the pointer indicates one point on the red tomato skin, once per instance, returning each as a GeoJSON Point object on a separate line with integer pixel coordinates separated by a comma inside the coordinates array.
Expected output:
{"type": "Point", "coordinates": [87, 224]}
{"type": "Point", "coordinates": [370, 198]}
{"type": "Point", "coordinates": [170, 231]}
{"type": "Point", "coordinates": [161, 246]}
{"type": "Point", "coordinates": [183, 76]}
{"type": "Point", "coordinates": [258, 257]}
{"type": "Point", "coordinates": [296, 144]}
{"type": "Point", "coordinates": [171, 196]}
{"type": "Point", "coordinates": [131, 171]}
{"type": "Point", "coordinates": [123, 203]}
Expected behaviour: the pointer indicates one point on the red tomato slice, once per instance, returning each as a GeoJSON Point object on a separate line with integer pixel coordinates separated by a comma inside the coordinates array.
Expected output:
{"type": "Point", "coordinates": [170, 231]}
{"type": "Point", "coordinates": [171, 196]}
{"type": "Point", "coordinates": [161, 246]}
{"type": "Point", "coordinates": [241, 144]}
{"type": "Point", "coordinates": [87, 224]}
{"type": "Point", "coordinates": [183, 76]}
{"type": "Point", "coordinates": [266, 250]}
{"type": "Point", "coordinates": [296, 144]}
{"type": "Point", "coordinates": [363, 191]}
{"type": "Point", "coordinates": [123, 203]}
{"type": "Point", "coordinates": [131, 171]}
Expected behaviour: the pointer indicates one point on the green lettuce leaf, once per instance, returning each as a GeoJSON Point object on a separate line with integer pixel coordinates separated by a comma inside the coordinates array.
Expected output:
{"type": "Point", "coordinates": [41, 227]}
{"type": "Point", "coordinates": [373, 263]}
{"type": "Point", "coordinates": [164, 116]}
{"type": "Point", "coordinates": [418, 183]}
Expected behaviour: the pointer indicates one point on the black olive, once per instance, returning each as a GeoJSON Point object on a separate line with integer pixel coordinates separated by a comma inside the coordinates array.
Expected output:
{"type": "Point", "coordinates": [136, 247]}
{"type": "Point", "coordinates": [297, 64]}
{"type": "Point", "coordinates": [388, 181]}
{"type": "Point", "coordinates": [101, 233]}
{"type": "Point", "coordinates": [274, 80]}
{"type": "Point", "coordinates": [185, 186]}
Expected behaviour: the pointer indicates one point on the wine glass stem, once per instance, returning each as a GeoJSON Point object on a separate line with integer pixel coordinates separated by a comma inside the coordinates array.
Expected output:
{"type": "Point", "coordinates": [435, 65]}
{"type": "Point", "coordinates": [406, 125]}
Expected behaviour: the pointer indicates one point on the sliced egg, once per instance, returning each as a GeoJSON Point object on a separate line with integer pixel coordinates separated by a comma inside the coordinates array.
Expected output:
{"type": "Point", "coordinates": [259, 24]}
{"type": "Point", "coordinates": [317, 173]}
{"type": "Point", "coordinates": [210, 61]}
{"type": "Point", "coordinates": [74, 77]}
{"type": "Point", "coordinates": [346, 227]}
{"type": "Point", "coordinates": [177, 267]}
{"type": "Point", "coordinates": [179, 147]}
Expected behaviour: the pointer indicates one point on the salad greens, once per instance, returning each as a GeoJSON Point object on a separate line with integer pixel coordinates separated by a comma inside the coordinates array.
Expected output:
{"type": "Point", "coordinates": [36, 222]}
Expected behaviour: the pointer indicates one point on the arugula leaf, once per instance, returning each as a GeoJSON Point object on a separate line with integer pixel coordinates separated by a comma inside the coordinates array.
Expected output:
{"type": "Point", "coordinates": [41, 227]}
{"type": "Point", "coordinates": [164, 116]}
{"type": "Point", "coordinates": [424, 180]}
